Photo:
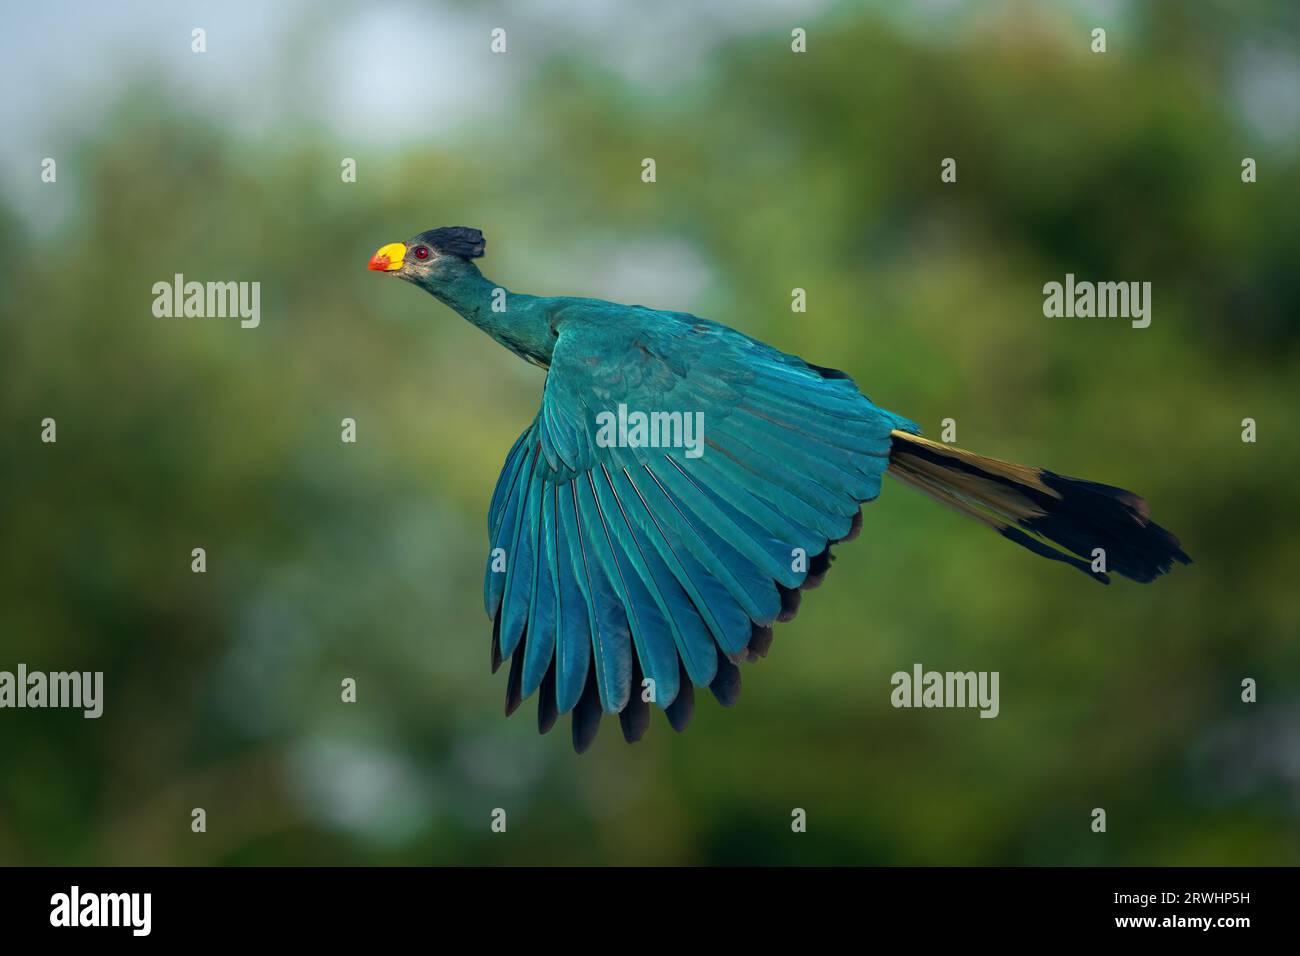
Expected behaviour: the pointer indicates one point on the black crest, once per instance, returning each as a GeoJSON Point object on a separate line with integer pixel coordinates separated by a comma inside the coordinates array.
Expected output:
{"type": "Point", "coordinates": [455, 241]}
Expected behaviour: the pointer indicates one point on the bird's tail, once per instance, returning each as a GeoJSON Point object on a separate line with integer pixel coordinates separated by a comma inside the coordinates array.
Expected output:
{"type": "Point", "coordinates": [1037, 509]}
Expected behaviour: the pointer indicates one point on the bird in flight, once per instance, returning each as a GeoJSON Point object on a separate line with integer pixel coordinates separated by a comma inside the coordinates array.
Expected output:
{"type": "Point", "coordinates": [682, 485]}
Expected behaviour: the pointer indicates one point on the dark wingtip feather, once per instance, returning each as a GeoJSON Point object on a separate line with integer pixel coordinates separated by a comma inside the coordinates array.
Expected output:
{"type": "Point", "coordinates": [496, 642]}
{"type": "Point", "coordinates": [760, 642]}
{"type": "Point", "coordinates": [547, 715]}
{"type": "Point", "coordinates": [790, 598]}
{"type": "Point", "coordinates": [514, 683]}
{"type": "Point", "coordinates": [818, 568]}
{"type": "Point", "coordinates": [682, 709]}
{"type": "Point", "coordinates": [634, 718]}
{"type": "Point", "coordinates": [586, 715]}
{"type": "Point", "coordinates": [726, 683]}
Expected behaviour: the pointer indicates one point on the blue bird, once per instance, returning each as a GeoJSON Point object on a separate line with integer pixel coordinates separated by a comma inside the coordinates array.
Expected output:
{"type": "Point", "coordinates": [682, 485]}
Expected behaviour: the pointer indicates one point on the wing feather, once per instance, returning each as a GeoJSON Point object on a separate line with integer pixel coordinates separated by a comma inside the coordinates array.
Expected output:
{"type": "Point", "coordinates": [631, 562]}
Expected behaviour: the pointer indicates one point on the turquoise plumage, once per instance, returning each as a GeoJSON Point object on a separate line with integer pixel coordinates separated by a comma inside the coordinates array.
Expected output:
{"type": "Point", "coordinates": [622, 574]}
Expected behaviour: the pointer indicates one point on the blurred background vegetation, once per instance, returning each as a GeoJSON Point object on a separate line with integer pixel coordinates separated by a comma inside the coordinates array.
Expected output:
{"type": "Point", "coordinates": [775, 170]}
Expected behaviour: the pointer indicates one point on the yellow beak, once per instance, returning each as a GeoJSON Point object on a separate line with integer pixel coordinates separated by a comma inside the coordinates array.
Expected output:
{"type": "Point", "coordinates": [388, 258]}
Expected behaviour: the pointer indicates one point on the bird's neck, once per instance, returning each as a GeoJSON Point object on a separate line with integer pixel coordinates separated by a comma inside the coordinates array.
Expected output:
{"type": "Point", "coordinates": [515, 321]}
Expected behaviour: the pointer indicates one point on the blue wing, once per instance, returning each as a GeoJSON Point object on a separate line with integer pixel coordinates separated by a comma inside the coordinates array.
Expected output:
{"type": "Point", "coordinates": [622, 574]}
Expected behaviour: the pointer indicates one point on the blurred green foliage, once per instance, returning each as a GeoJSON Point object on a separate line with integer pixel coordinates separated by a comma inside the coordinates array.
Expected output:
{"type": "Point", "coordinates": [821, 171]}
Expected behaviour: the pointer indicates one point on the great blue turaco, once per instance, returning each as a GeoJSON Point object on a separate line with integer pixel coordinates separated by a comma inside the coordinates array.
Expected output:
{"type": "Point", "coordinates": [625, 573]}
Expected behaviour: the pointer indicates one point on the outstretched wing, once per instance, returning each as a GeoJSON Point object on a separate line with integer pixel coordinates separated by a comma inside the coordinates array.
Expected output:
{"type": "Point", "coordinates": [622, 572]}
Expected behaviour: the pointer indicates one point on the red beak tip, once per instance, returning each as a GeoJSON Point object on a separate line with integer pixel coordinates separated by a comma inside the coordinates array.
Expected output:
{"type": "Point", "coordinates": [379, 263]}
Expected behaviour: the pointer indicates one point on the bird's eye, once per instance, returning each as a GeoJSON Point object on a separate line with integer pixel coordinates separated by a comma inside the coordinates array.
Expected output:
{"type": "Point", "coordinates": [421, 252]}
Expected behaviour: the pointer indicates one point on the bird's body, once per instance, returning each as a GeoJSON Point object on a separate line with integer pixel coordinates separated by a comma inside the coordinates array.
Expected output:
{"type": "Point", "coordinates": [682, 483]}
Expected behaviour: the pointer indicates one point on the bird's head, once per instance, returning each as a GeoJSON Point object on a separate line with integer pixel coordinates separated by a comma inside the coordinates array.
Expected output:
{"type": "Point", "coordinates": [433, 257]}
